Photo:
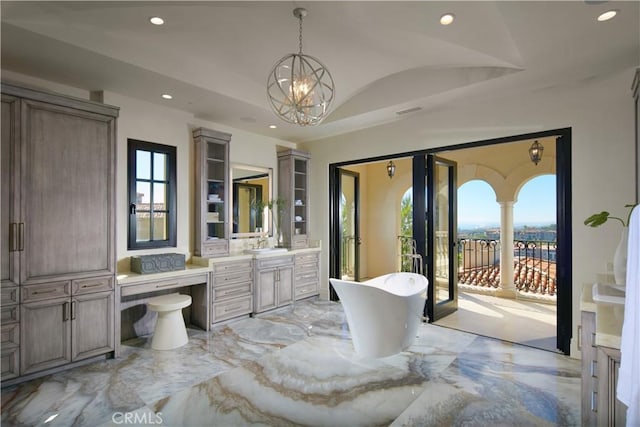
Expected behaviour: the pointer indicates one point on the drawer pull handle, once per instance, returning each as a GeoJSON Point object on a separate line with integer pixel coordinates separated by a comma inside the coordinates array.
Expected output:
{"type": "Point", "coordinates": [594, 366]}
{"type": "Point", "coordinates": [593, 339]}
{"type": "Point", "coordinates": [92, 285]}
{"type": "Point", "coordinates": [171, 285]}
{"type": "Point", "coordinates": [594, 401]}
{"type": "Point", "coordinates": [50, 291]}
{"type": "Point", "coordinates": [579, 335]}
{"type": "Point", "coordinates": [73, 310]}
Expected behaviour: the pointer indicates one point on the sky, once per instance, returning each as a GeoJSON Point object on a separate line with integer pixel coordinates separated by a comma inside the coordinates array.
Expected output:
{"type": "Point", "coordinates": [536, 205]}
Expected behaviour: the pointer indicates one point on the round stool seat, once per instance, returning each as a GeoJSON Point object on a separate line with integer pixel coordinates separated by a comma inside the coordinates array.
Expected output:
{"type": "Point", "coordinates": [169, 302]}
{"type": "Point", "coordinates": [170, 331]}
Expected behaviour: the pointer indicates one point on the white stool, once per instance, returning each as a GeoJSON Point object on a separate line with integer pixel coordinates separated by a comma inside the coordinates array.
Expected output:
{"type": "Point", "coordinates": [170, 331]}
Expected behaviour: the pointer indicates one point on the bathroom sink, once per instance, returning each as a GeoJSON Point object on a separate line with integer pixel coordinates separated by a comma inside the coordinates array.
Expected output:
{"type": "Point", "coordinates": [257, 251]}
{"type": "Point", "coordinates": [610, 294]}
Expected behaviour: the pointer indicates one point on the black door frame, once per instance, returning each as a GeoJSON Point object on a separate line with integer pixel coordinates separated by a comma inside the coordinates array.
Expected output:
{"type": "Point", "coordinates": [564, 324]}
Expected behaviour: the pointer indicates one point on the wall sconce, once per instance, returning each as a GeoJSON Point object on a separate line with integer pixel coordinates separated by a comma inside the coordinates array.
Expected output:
{"type": "Point", "coordinates": [391, 169]}
{"type": "Point", "coordinates": [535, 152]}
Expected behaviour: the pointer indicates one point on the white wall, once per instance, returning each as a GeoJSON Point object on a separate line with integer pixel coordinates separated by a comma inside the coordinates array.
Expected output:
{"type": "Point", "coordinates": [600, 113]}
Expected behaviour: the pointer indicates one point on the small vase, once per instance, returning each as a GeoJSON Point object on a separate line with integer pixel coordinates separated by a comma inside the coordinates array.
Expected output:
{"type": "Point", "coordinates": [620, 258]}
{"type": "Point", "coordinates": [279, 238]}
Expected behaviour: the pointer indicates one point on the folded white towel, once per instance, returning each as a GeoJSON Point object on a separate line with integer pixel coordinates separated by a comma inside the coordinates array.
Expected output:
{"type": "Point", "coordinates": [628, 391]}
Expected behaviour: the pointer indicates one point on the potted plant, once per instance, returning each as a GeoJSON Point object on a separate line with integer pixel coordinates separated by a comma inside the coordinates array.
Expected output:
{"type": "Point", "coordinates": [620, 255]}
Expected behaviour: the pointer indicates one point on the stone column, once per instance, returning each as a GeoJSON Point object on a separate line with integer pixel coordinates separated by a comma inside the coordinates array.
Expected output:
{"type": "Point", "coordinates": [507, 288]}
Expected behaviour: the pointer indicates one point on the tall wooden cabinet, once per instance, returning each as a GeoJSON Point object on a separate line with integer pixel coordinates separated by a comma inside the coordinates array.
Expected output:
{"type": "Point", "coordinates": [293, 187]}
{"type": "Point", "coordinates": [213, 192]}
{"type": "Point", "coordinates": [58, 227]}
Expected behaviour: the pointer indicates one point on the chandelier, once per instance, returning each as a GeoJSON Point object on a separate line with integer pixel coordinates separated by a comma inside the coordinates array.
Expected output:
{"type": "Point", "coordinates": [300, 87]}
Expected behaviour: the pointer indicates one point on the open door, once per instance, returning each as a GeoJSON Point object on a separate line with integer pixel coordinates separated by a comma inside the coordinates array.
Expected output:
{"type": "Point", "coordinates": [349, 229]}
{"type": "Point", "coordinates": [440, 231]}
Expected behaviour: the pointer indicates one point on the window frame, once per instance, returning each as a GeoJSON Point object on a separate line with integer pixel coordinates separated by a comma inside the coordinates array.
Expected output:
{"type": "Point", "coordinates": [133, 145]}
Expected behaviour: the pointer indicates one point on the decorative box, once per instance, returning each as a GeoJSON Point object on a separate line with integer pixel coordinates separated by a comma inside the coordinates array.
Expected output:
{"type": "Point", "coordinates": [157, 263]}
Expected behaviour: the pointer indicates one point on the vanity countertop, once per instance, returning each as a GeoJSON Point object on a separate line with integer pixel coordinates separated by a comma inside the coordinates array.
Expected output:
{"type": "Point", "coordinates": [129, 277]}
{"type": "Point", "coordinates": [609, 318]}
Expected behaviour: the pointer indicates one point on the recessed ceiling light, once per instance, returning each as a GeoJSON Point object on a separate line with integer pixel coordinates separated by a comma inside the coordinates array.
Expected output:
{"type": "Point", "coordinates": [156, 20]}
{"type": "Point", "coordinates": [609, 14]}
{"type": "Point", "coordinates": [272, 126]}
{"type": "Point", "coordinates": [447, 18]}
{"type": "Point", "coordinates": [167, 96]}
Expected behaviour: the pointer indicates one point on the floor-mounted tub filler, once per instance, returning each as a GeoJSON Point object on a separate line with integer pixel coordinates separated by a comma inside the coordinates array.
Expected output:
{"type": "Point", "coordinates": [383, 313]}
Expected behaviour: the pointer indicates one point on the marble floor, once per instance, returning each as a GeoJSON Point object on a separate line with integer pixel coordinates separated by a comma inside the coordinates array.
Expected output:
{"type": "Point", "coordinates": [297, 366]}
{"type": "Point", "coordinates": [524, 322]}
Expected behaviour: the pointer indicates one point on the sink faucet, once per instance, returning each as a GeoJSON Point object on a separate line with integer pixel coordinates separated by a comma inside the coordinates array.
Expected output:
{"type": "Point", "coordinates": [262, 241]}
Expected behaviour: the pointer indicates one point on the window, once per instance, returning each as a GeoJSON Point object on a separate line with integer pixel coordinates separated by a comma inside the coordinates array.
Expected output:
{"type": "Point", "coordinates": [152, 195]}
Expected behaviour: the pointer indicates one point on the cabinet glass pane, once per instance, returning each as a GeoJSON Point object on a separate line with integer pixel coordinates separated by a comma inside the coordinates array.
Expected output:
{"type": "Point", "coordinates": [216, 151]}
{"type": "Point", "coordinates": [143, 164]}
{"type": "Point", "coordinates": [215, 171]}
{"type": "Point", "coordinates": [159, 197]}
{"type": "Point", "coordinates": [143, 196]}
{"type": "Point", "coordinates": [160, 226]}
{"type": "Point", "coordinates": [215, 192]}
{"type": "Point", "coordinates": [143, 226]}
{"type": "Point", "coordinates": [159, 166]}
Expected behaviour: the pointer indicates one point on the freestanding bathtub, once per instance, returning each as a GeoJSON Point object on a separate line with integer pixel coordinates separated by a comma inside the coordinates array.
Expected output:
{"type": "Point", "coordinates": [383, 313]}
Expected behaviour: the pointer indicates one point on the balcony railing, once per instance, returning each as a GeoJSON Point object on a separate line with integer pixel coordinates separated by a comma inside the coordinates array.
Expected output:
{"type": "Point", "coordinates": [534, 265]}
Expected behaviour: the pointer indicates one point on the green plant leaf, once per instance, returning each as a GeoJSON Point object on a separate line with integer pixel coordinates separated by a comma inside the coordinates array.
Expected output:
{"type": "Point", "coordinates": [597, 220]}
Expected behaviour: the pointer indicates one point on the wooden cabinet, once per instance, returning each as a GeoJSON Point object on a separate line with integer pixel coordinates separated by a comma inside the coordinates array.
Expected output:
{"type": "Point", "coordinates": [293, 187]}
{"type": "Point", "coordinates": [231, 289]}
{"type": "Point", "coordinates": [588, 361]}
{"type": "Point", "coordinates": [599, 378]}
{"type": "Point", "coordinates": [212, 192]}
{"type": "Point", "coordinates": [273, 282]}
{"type": "Point", "coordinates": [307, 274]}
{"type": "Point", "coordinates": [58, 224]}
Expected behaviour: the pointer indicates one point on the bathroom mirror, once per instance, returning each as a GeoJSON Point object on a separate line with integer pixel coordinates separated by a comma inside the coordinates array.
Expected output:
{"type": "Point", "coordinates": [250, 184]}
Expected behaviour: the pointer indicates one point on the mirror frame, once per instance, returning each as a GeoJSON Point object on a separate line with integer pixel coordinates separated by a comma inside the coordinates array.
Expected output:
{"type": "Point", "coordinates": [267, 219]}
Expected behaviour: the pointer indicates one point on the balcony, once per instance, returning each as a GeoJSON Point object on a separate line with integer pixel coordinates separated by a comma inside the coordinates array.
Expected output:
{"type": "Point", "coordinates": [534, 268]}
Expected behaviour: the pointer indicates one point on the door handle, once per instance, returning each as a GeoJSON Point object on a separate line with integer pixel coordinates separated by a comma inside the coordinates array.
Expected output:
{"type": "Point", "coordinates": [21, 236]}
{"type": "Point", "coordinates": [13, 237]}
{"type": "Point", "coordinates": [65, 311]}
{"type": "Point", "coordinates": [132, 209]}
{"type": "Point", "coordinates": [73, 310]}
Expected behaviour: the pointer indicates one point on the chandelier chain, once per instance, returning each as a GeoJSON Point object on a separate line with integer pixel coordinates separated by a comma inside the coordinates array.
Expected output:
{"type": "Point", "coordinates": [300, 34]}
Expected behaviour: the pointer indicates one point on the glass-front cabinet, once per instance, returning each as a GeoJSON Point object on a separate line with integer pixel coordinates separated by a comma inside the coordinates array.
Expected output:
{"type": "Point", "coordinates": [212, 193]}
{"type": "Point", "coordinates": [293, 187]}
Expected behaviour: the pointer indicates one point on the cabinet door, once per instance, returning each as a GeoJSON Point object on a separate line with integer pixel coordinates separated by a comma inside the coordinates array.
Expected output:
{"type": "Point", "coordinates": [265, 290]}
{"type": "Point", "coordinates": [10, 191]}
{"type": "Point", "coordinates": [611, 412]}
{"type": "Point", "coordinates": [92, 325]}
{"type": "Point", "coordinates": [66, 191]}
{"type": "Point", "coordinates": [285, 286]}
{"type": "Point", "coordinates": [45, 333]}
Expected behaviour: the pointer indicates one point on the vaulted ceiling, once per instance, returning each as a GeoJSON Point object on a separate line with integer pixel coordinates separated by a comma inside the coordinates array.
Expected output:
{"type": "Point", "coordinates": [385, 57]}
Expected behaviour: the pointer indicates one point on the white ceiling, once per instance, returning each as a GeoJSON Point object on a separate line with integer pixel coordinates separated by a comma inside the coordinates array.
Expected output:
{"type": "Point", "coordinates": [214, 57]}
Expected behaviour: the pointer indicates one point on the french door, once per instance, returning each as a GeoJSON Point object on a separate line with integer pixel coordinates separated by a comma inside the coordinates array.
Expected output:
{"type": "Point", "coordinates": [435, 231]}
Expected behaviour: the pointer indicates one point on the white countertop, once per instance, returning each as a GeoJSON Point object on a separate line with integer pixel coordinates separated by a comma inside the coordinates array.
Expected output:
{"type": "Point", "coordinates": [129, 277]}
{"type": "Point", "coordinates": [609, 318]}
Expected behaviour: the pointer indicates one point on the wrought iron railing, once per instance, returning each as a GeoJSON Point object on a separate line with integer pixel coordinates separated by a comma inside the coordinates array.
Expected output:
{"type": "Point", "coordinates": [534, 265]}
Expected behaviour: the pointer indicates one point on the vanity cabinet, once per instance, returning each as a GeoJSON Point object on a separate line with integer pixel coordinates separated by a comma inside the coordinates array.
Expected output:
{"type": "Point", "coordinates": [307, 274]}
{"type": "Point", "coordinates": [600, 365]}
{"type": "Point", "coordinates": [58, 227]}
{"type": "Point", "coordinates": [273, 282]}
{"type": "Point", "coordinates": [293, 187]}
{"type": "Point", "coordinates": [212, 192]}
{"type": "Point", "coordinates": [231, 289]}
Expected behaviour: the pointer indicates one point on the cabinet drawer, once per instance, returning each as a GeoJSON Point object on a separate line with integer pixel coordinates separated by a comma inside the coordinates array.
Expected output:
{"type": "Point", "coordinates": [225, 292]}
{"type": "Point", "coordinates": [10, 365]}
{"type": "Point", "coordinates": [305, 259]}
{"type": "Point", "coordinates": [231, 308]}
{"type": "Point", "coordinates": [97, 284]}
{"type": "Point", "coordinates": [215, 248]}
{"type": "Point", "coordinates": [232, 267]}
{"type": "Point", "coordinates": [306, 275]}
{"type": "Point", "coordinates": [158, 285]}
{"type": "Point", "coordinates": [10, 314]}
{"type": "Point", "coordinates": [10, 335]}
{"type": "Point", "coordinates": [274, 262]}
{"type": "Point", "coordinates": [45, 291]}
{"type": "Point", "coordinates": [231, 278]}
{"type": "Point", "coordinates": [306, 290]}
{"type": "Point", "coordinates": [10, 295]}
{"type": "Point", "coordinates": [299, 241]}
